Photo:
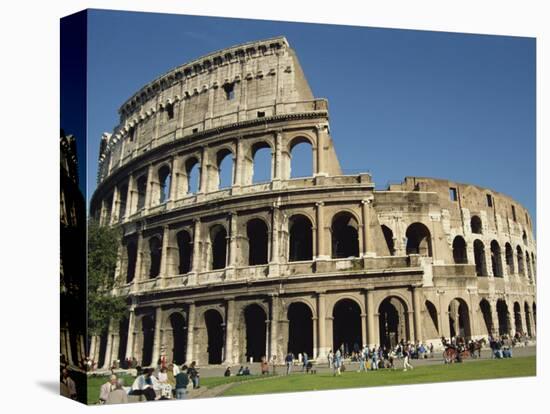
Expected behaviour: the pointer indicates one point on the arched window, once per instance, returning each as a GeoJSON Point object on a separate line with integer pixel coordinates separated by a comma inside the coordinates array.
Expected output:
{"type": "Point", "coordinates": [123, 195]}
{"type": "Point", "coordinates": [388, 235]}
{"type": "Point", "coordinates": [479, 257]}
{"type": "Point", "coordinates": [218, 240]}
{"type": "Point", "coordinates": [509, 258]}
{"type": "Point", "coordinates": [256, 230]}
{"type": "Point", "coordinates": [496, 260]}
{"type": "Point", "coordinates": [261, 168]}
{"type": "Point", "coordinates": [345, 236]}
{"type": "Point", "coordinates": [224, 164]}
{"type": "Point", "coordinates": [300, 235]}
{"type": "Point", "coordinates": [475, 224]}
{"type": "Point", "coordinates": [165, 178]}
{"type": "Point", "coordinates": [459, 250]}
{"type": "Point", "coordinates": [131, 257]}
{"type": "Point", "coordinates": [155, 253]}
{"type": "Point", "coordinates": [301, 158]}
{"type": "Point", "coordinates": [192, 170]}
{"type": "Point", "coordinates": [521, 268]}
{"type": "Point", "coordinates": [141, 191]}
{"type": "Point", "coordinates": [524, 238]}
{"type": "Point", "coordinates": [528, 264]}
{"type": "Point", "coordinates": [185, 249]}
{"type": "Point", "coordinates": [419, 240]}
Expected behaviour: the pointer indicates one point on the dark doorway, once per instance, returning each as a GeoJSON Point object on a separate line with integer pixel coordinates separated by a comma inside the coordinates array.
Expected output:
{"type": "Point", "coordinates": [256, 231]}
{"type": "Point", "coordinates": [459, 250]}
{"type": "Point", "coordinates": [179, 336]}
{"type": "Point", "coordinates": [214, 330]}
{"type": "Point", "coordinates": [459, 319]}
{"type": "Point", "coordinates": [388, 235]}
{"type": "Point", "coordinates": [517, 317]}
{"type": "Point", "coordinates": [485, 307]}
{"type": "Point", "coordinates": [185, 249]}
{"type": "Point", "coordinates": [345, 237]}
{"type": "Point", "coordinates": [347, 325]}
{"type": "Point", "coordinates": [218, 237]}
{"type": "Point", "coordinates": [255, 318]}
{"type": "Point", "coordinates": [300, 245]}
{"type": "Point", "coordinates": [148, 331]}
{"type": "Point", "coordinates": [123, 339]}
{"type": "Point", "coordinates": [300, 329]}
{"type": "Point", "coordinates": [503, 318]}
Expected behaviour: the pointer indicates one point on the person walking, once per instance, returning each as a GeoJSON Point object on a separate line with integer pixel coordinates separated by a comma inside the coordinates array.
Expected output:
{"type": "Point", "coordinates": [289, 361]}
{"type": "Point", "coordinates": [330, 357]}
{"type": "Point", "coordinates": [337, 363]}
{"type": "Point", "coordinates": [362, 360]}
{"type": "Point", "coordinates": [406, 363]}
{"type": "Point", "coordinates": [305, 360]}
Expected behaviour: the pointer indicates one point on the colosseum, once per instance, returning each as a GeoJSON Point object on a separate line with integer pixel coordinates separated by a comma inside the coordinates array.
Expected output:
{"type": "Point", "coordinates": [224, 272]}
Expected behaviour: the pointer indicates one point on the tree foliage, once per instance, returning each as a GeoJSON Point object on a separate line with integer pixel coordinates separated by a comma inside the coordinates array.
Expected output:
{"type": "Point", "coordinates": [102, 258]}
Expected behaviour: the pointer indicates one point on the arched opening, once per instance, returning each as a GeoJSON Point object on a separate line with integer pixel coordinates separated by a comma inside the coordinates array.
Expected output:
{"type": "Point", "coordinates": [179, 338]}
{"type": "Point", "coordinates": [459, 319]}
{"type": "Point", "coordinates": [301, 158]}
{"type": "Point", "coordinates": [524, 237]}
{"type": "Point", "coordinates": [261, 163]}
{"type": "Point", "coordinates": [485, 308]}
{"type": "Point", "coordinates": [123, 339]}
{"type": "Point", "coordinates": [218, 239]}
{"type": "Point", "coordinates": [346, 326]}
{"type": "Point", "coordinates": [301, 238]}
{"type": "Point", "coordinates": [141, 187]}
{"type": "Point", "coordinates": [388, 236]}
{"type": "Point", "coordinates": [419, 240]}
{"type": "Point", "coordinates": [224, 164]}
{"type": "Point", "coordinates": [131, 257]}
{"type": "Point", "coordinates": [155, 254]}
{"type": "Point", "coordinates": [521, 269]}
{"type": "Point", "coordinates": [214, 330]}
{"type": "Point", "coordinates": [528, 319]}
{"type": "Point", "coordinates": [528, 264]}
{"type": "Point", "coordinates": [496, 259]}
{"type": "Point", "coordinates": [509, 258]}
{"type": "Point", "coordinates": [255, 322]}
{"type": "Point", "coordinates": [148, 334]}
{"type": "Point", "coordinates": [185, 252]}
{"type": "Point", "coordinates": [535, 314]}
{"type": "Point", "coordinates": [123, 195]}
{"type": "Point", "coordinates": [102, 351]}
{"type": "Point", "coordinates": [459, 250]}
{"type": "Point", "coordinates": [517, 317]}
{"type": "Point", "coordinates": [165, 178]}
{"type": "Point", "coordinates": [256, 231]}
{"type": "Point", "coordinates": [503, 318]}
{"type": "Point", "coordinates": [300, 329]}
{"type": "Point", "coordinates": [392, 322]}
{"type": "Point", "coordinates": [479, 257]}
{"type": "Point", "coordinates": [431, 322]}
{"type": "Point", "coordinates": [345, 236]}
{"type": "Point", "coordinates": [475, 225]}
{"type": "Point", "coordinates": [533, 266]}
{"type": "Point", "coordinates": [192, 170]}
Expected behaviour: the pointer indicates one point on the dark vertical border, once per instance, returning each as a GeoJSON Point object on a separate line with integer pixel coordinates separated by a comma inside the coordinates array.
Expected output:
{"type": "Point", "coordinates": [73, 81]}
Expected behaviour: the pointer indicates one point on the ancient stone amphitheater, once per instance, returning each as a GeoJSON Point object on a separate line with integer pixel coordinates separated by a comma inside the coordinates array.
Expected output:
{"type": "Point", "coordinates": [222, 272]}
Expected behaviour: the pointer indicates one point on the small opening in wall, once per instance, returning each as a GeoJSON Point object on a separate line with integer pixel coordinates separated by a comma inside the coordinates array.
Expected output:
{"type": "Point", "coordinates": [489, 200]}
{"type": "Point", "coordinates": [170, 111]}
{"type": "Point", "coordinates": [131, 133]}
{"type": "Point", "coordinates": [261, 114]}
{"type": "Point", "coordinates": [514, 213]}
{"type": "Point", "coordinates": [195, 130]}
{"type": "Point", "coordinates": [229, 89]}
{"type": "Point", "coordinates": [453, 194]}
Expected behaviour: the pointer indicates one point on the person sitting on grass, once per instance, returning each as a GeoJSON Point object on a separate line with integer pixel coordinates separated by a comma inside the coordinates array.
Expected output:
{"type": "Point", "coordinates": [240, 372]}
{"type": "Point", "coordinates": [144, 385]}
{"type": "Point", "coordinates": [227, 372]}
{"type": "Point", "coordinates": [107, 388]}
{"type": "Point", "coordinates": [246, 371]}
{"type": "Point", "coordinates": [118, 395]}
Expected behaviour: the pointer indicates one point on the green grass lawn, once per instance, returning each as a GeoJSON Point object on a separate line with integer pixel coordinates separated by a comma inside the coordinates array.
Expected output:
{"type": "Point", "coordinates": [489, 369]}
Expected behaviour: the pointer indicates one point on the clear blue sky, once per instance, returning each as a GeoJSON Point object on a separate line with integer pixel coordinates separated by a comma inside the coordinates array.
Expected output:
{"type": "Point", "coordinates": [401, 102]}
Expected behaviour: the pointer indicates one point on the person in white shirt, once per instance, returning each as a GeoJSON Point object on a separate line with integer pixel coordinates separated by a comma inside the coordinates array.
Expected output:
{"type": "Point", "coordinates": [107, 388]}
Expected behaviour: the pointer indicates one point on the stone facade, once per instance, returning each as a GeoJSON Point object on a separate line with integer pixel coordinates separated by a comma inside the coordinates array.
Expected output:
{"type": "Point", "coordinates": [292, 264]}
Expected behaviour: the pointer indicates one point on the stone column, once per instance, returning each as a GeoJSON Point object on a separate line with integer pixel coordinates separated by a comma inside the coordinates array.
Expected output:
{"type": "Point", "coordinates": [315, 323]}
{"type": "Point", "coordinates": [174, 178]}
{"type": "Point", "coordinates": [130, 208]}
{"type": "Point", "coordinates": [321, 169]}
{"type": "Point", "coordinates": [205, 165]}
{"type": "Point", "coordinates": [320, 242]}
{"type": "Point", "coordinates": [131, 333]}
{"type": "Point", "coordinates": [149, 189]}
{"type": "Point", "coordinates": [363, 329]}
{"type": "Point", "coordinates": [238, 164]}
{"type": "Point", "coordinates": [274, 326]}
{"type": "Point", "coordinates": [411, 322]}
{"type": "Point", "coordinates": [371, 339]}
{"type": "Point", "coordinates": [114, 206]}
{"type": "Point", "coordinates": [164, 252]}
{"type": "Point", "coordinates": [417, 304]}
{"type": "Point", "coordinates": [367, 237]}
{"type": "Point", "coordinates": [494, 317]}
{"type": "Point", "coordinates": [511, 318]}
{"type": "Point", "coordinates": [229, 323]}
{"type": "Point", "coordinates": [190, 333]}
{"type": "Point", "coordinates": [139, 254]}
{"type": "Point", "coordinates": [523, 319]}
{"type": "Point", "coordinates": [108, 348]}
{"type": "Point", "coordinates": [275, 253]}
{"type": "Point", "coordinates": [278, 161]}
{"type": "Point", "coordinates": [322, 350]}
{"type": "Point", "coordinates": [196, 267]}
{"type": "Point", "coordinates": [157, 340]}
{"type": "Point", "coordinates": [231, 258]}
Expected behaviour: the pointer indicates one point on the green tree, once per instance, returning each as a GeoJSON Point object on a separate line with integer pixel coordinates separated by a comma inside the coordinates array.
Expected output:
{"type": "Point", "coordinates": [102, 258]}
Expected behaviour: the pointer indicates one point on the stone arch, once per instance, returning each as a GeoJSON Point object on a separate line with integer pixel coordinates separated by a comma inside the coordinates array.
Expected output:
{"type": "Point", "coordinates": [261, 155]}
{"type": "Point", "coordinates": [528, 264]}
{"type": "Point", "coordinates": [218, 247]}
{"type": "Point", "coordinates": [487, 314]}
{"type": "Point", "coordinates": [225, 175]}
{"type": "Point", "coordinates": [345, 235]}
{"type": "Point", "coordinates": [388, 236]}
{"type": "Point", "coordinates": [476, 225]}
{"type": "Point", "coordinates": [192, 182]}
{"type": "Point", "coordinates": [496, 259]}
{"type": "Point", "coordinates": [503, 317]}
{"type": "Point", "coordinates": [459, 318]}
{"type": "Point", "coordinates": [300, 234]}
{"type": "Point", "coordinates": [185, 251]}
{"type": "Point", "coordinates": [253, 332]}
{"type": "Point", "coordinates": [257, 233]}
{"type": "Point", "coordinates": [155, 255]}
{"type": "Point", "coordinates": [347, 325]}
{"type": "Point", "coordinates": [215, 337]}
{"type": "Point", "coordinates": [479, 258]}
{"type": "Point", "coordinates": [430, 320]}
{"type": "Point", "coordinates": [459, 250]}
{"type": "Point", "coordinates": [176, 343]}
{"type": "Point", "coordinates": [518, 325]}
{"type": "Point", "coordinates": [419, 239]}
{"type": "Point", "coordinates": [164, 176]}
{"type": "Point", "coordinates": [519, 254]}
{"type": "Point", "coordinates": [300, 149]}
{"type": "Point", "coordinates": [524, 237]}
{"type": "Point", "coordinates": [300, 328]}
{"type": "Point", "coordinates": [509, 252]}
{"type": "Point", "coordinates": [141, 189]}
{"type": "Point", "coordinates": [393, 321]}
